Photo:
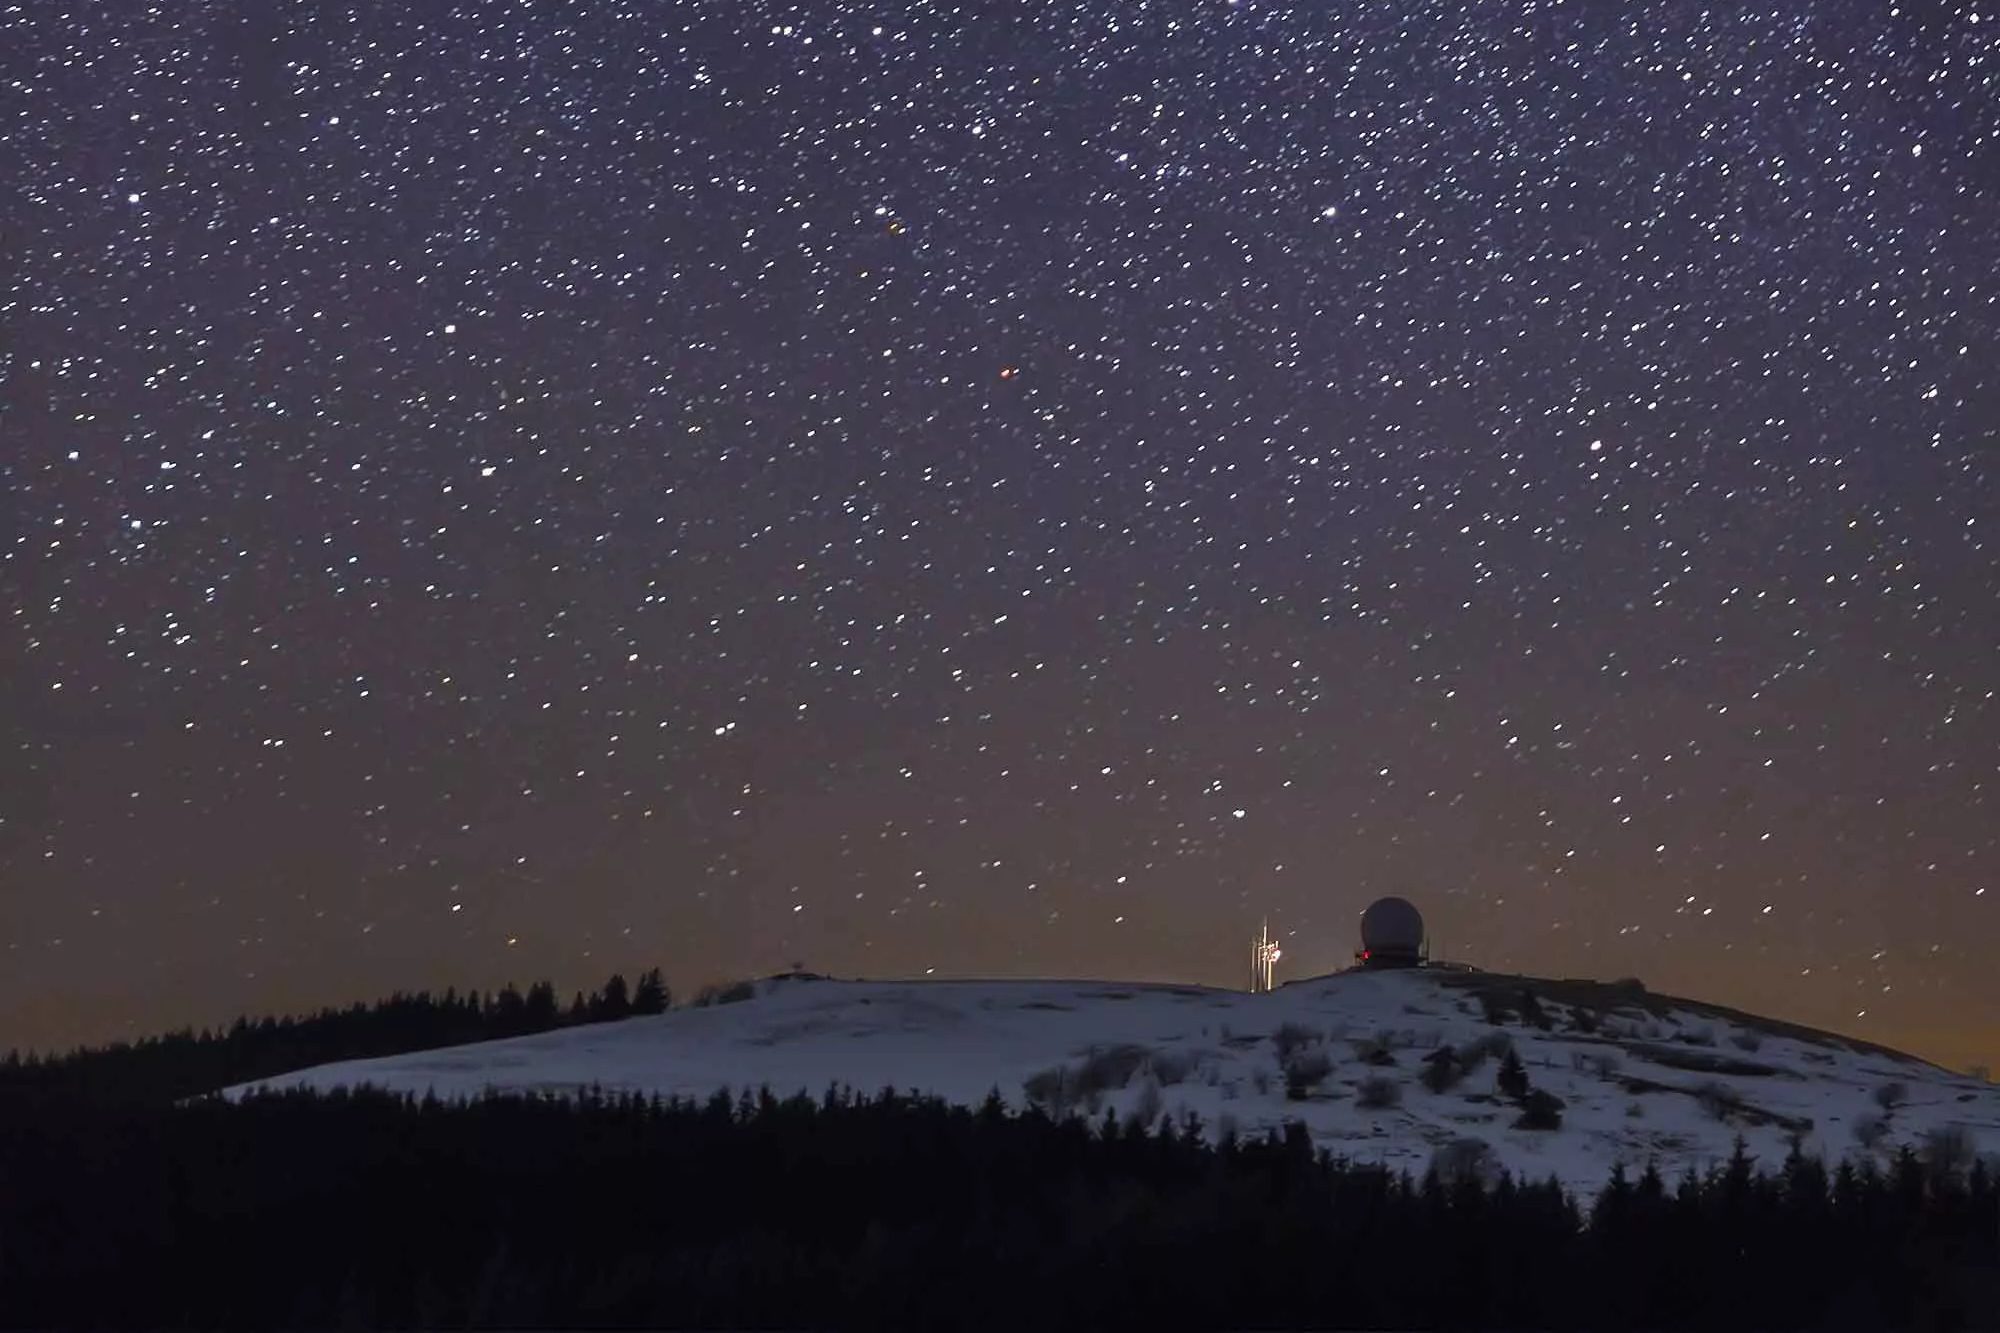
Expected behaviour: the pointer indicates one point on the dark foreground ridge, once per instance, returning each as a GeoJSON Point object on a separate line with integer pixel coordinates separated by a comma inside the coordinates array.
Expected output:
{"type": "Point", "coordinates": [363, 1210]}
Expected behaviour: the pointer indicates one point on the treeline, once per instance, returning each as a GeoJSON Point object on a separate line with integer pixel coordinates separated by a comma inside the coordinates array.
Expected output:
{"type": "Point", "coordinates": [310, 1210]}
{"type": "Point", "coordinates": [187, 1063]}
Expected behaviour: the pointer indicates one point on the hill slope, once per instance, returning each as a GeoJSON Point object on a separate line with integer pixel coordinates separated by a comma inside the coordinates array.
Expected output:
{"type": "Point", "coordinates": [1640, 1076]}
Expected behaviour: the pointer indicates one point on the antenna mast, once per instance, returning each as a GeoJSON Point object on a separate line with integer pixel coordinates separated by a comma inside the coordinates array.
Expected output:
{"type": "Point", "coordinates": [1264, 956]}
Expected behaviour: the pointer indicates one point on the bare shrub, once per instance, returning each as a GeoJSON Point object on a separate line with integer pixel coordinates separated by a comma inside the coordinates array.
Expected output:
{"type": "Point", "coordinates": [1108, 1067]}
{"type": "Point", "coordinates": [1170, 1069]}
{"type": "Point", "coordinates": [1605, 1064]}
{"type": "Point", "coordinates": [1378, 1093]}
{"type": "Point", "coordinates": [1719, 1100]}
{"type": "Point", "coordinates": [1747, 1041]}
{"type": "Point", "coordinates": [1312, 1065]}
{"type": "Point", "coordinates": [1466, 1161]}
{"type": "Point", "coordinates": [1049, 1089]}
{"type": "Point", "coordinates": [734, 993]}
{"type": "Point", "coordinates": [1305, 1071]}
{"type": "Point", "coordinates": [1292, 1037]}
{"type": "Point", "coordinates": [1372, 1051]}
{"type": "Point", "coordinates": [1146, 1108]}
{"type": "Point", "coordinates": [1891, 1095]}
{"type": "Point", "coordinates": [1949, 1152]}
{"type": "Point", "coordinates": [1442, 1071]}
{"type": "Point", "coordinates": [1260, 1079]}
{"type": "Point", "coordinates": [1697, 1036]}
{"type": "Point", "coordinates": [1487, 1046]}
{"type": "Point", "coordinates": [1635, 1110]}
{"type": "Point", "coordinates": [1870, 1130]}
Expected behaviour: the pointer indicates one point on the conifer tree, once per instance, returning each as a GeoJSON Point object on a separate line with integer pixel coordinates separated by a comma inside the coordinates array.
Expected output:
{"type": "Point", "coordinates": [651, 996]}
{"type": "Point", "coordinates": [540, 1013]}
{"type": "Point", "coordinates": [615, 1001]}
{"type": "Point", "coordinates": [1512, 1080]}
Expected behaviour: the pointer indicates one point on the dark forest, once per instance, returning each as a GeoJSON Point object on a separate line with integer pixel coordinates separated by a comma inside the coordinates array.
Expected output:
{"type": "Point", "coordinates": [364, 1210]}
{"type": "Point", "coordinates": [187, 1063]}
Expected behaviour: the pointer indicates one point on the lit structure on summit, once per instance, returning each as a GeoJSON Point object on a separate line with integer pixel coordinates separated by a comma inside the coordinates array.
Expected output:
{"type": "Point", "coordinates": [1392, 935]}
{"type": "Point", "coordinates": [1264, 956]}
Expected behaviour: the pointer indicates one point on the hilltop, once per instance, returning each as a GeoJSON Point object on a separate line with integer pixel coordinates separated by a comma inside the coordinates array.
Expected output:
{"type": "Point", "coordinates": [1383, 1067]}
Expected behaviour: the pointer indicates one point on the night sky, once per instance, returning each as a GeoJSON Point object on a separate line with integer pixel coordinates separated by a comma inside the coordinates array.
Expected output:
{"type": "Point", "coordinates": [502, 490]}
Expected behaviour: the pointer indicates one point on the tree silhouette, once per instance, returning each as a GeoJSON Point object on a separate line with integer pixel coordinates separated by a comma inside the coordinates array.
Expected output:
{"type": "Point", "coordinates": [651, 996]}
{"type": "Point", "coordinates": [615, 1002]}
{"type": "Point", "coordinates": [1512, 1080]}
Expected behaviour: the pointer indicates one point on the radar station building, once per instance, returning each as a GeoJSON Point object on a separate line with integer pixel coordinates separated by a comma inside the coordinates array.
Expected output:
{"type": "Point", "coordinates": [1392, 935]}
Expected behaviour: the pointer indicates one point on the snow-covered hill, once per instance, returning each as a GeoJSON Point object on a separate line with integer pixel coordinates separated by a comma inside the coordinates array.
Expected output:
{"type": "Point", "coordinates": [1639, 1076]}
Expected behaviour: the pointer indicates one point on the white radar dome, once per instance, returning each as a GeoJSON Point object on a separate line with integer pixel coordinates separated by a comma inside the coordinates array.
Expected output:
{"type": "Point", "coordinates": [1391, 928]}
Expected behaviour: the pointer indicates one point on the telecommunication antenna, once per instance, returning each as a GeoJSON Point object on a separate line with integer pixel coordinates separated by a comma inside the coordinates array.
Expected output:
{"type": "Point", "coordinates": [1264, 956]}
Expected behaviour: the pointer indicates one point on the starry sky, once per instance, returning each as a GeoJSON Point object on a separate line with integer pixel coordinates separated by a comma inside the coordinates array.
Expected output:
{"type": "Point", "coordinates": [500, 490]}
